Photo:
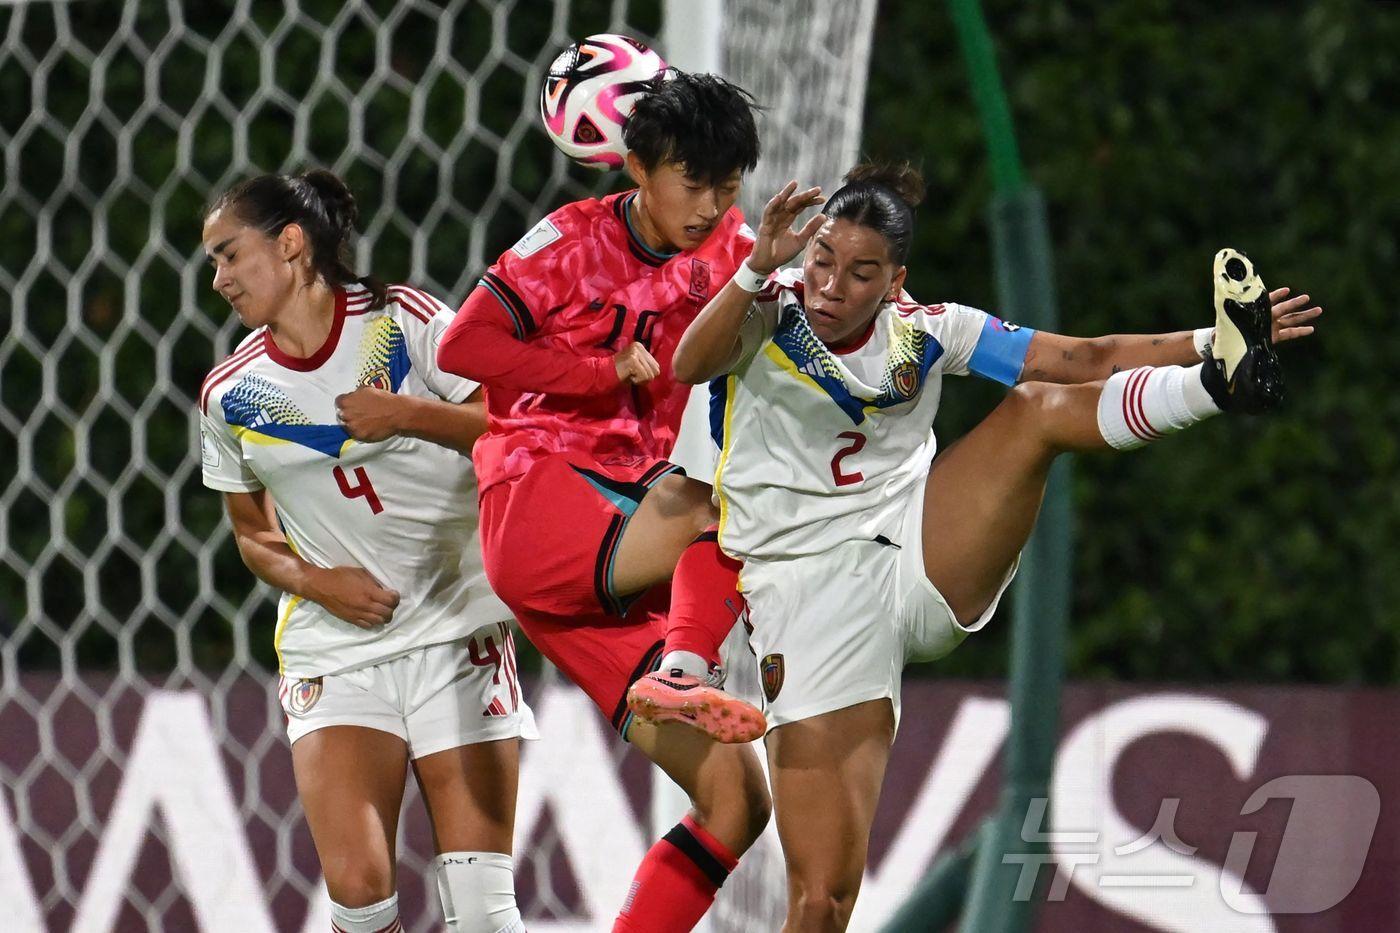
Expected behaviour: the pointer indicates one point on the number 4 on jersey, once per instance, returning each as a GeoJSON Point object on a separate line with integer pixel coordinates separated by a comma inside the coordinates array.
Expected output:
{"type": "Point", "coordinates": [362, 489]}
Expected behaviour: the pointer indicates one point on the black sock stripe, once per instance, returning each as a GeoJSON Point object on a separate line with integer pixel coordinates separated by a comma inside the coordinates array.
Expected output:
{"type": "Point", "coordinates": [690, 847]}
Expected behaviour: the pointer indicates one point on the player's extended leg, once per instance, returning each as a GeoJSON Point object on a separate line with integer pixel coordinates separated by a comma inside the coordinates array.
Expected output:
{"type": "Point", "coordinates": [469, 792]}
{"type": "Point", "coordinates": [983, 493]}
{"type": "Point", "coordinates": [671, 537]}
{"type": "Point", "coordinates": [826, 774]}
{"type": "Point", "coordinates": [350, 780]}
{"type": "Point", "coordinates": [677, 881]}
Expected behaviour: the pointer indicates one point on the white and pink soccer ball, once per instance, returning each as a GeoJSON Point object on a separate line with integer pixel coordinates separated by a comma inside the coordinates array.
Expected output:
{"type": "Point", "coordinates": [589, 92]}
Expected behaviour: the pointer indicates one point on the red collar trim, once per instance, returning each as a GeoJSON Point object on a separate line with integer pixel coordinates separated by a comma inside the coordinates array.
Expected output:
{"type": "Point", "coordinates": [317, 359]}
{"type": "Point", "coordinates": [862, 340]}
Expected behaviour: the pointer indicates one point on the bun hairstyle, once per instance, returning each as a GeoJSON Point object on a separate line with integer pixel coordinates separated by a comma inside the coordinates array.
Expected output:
{"type": "Point", "coordinates": [881, 196]}
{"type": "Point", "coordinates": [317, 201]}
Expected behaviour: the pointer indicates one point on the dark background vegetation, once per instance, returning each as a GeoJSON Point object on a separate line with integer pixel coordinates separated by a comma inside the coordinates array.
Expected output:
{"type": "Point", "coordinates": [1248, 549]}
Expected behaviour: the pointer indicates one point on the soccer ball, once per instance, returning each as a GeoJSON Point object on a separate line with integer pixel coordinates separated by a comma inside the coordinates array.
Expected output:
{"type": "Point", "coordinates": [589, 93]}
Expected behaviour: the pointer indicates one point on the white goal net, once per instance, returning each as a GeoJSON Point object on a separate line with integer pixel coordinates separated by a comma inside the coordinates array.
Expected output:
{"type": "Point", "coordinates": [146, 779]}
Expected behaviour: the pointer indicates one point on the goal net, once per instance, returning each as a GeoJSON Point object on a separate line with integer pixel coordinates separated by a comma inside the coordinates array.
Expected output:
{"type": "Point", "coordinates": [146, 778]}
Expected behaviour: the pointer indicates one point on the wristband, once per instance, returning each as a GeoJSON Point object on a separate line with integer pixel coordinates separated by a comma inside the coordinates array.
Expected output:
{"type": "Point", "coordinates": [1202, 338]}
{"type": "Point", "coordinates": [749, 280]}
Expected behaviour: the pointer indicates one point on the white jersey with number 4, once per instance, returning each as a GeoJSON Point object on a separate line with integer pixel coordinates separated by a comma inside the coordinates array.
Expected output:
{"type": "Point", "coordinates": [818, 447]}
{"type": "Point", "coordinates": [403, 509]}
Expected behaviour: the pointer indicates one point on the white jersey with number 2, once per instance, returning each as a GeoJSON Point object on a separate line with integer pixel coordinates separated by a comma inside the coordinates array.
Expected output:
{"type": "Point", "coordinates": [403, 509]}
{"type": "Point", "coordinates": [818, 447]}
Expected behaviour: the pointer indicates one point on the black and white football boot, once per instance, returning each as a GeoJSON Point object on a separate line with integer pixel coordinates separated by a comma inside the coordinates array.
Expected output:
{"type": "Point", "coordinates": [1241, 371]}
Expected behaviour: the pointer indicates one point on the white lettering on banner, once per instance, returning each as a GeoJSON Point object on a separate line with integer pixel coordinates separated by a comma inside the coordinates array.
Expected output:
{"type": "Point", "coordinates": [571, 770]}
{"type": "Point", "coordinates": [16, 890]}
{"type": "Point", "coordinates": [1082, 799]}
{"type": "Point", "coordinates": [1324, 847]}
{"type": "Point", "coordinates": [978, 729]}
{"type": "Point", "coordinates": [174, 767]}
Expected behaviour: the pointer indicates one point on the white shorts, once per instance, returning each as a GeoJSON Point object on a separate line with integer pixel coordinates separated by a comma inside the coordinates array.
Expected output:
{"type": "Point", "coordinates": [835, 629]}
{"type": "Point", "coordinates": [435, 698]}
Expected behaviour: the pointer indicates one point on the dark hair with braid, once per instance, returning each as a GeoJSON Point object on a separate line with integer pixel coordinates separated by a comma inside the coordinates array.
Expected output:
{"type": "Point", "coordinates": [317, 201]}
{"type": "Point", "coordinates": [881, 196]}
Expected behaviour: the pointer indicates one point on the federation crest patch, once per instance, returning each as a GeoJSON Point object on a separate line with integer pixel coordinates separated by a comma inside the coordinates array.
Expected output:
{"type": "Point", "coordinates": [699, 280]}
{"type": "Point", "coordinates": [905, 380]}
{"type": "Point", "coordinates": [303, 696]}
{"type": "Point", "coordinates": [378, 379]}
{"type": "Point", "coordinates": [771, 668]}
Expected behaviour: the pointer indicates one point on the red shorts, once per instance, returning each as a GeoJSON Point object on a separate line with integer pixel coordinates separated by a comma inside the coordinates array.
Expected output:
{"type": "Point", "coordinates": [548, 540]}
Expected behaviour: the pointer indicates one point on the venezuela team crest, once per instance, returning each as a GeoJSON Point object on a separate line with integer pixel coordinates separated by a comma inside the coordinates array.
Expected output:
{"type": "Point", "coordinates": [905, 380]}
{"type": "Point", "coordinates": [378, 379]}
{"type": "Point", "coordinates": [771, 669]}
{"type": "Point", "coordinates": [303, 696]}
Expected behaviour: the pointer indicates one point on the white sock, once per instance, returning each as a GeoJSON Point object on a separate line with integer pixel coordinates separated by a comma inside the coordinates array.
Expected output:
{"type": "Point", "coordinates": [1150, 402]}
{"type": "Point", "coordinates": [687, 662]}
{"type": "Point", "coordinates": [376, 918]}
{"type": "Point", "coordinates": [478, 892]}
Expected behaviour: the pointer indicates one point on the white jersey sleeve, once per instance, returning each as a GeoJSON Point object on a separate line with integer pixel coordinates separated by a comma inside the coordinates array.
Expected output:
{"type": "Point", "coordinates": [424, 320]}
{"type": "Point", "coordinates": [973, 341]}
{"type": "Point", "coordinates": [221, 457]}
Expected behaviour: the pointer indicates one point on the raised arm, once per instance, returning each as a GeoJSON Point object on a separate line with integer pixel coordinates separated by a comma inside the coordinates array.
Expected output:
{"type": "Point", "coordinates": [1073, 360]}
{"type": "Point", "coordinates": [349, 593]}
{"type": "Point", "coordinates": [710, 346]}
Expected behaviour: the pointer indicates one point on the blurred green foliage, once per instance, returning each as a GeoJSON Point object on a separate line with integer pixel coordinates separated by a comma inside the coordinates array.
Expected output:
{"type": "Point", "coordinates": [1257, 550]}
{"type": "Point", "coordinates": [1245, 549]}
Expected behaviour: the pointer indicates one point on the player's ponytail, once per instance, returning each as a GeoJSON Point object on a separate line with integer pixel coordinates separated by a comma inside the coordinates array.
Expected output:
{"type": "Point", "coordinates": [321, 204]}
{"type": "Point", "coordinates": [881, 196]}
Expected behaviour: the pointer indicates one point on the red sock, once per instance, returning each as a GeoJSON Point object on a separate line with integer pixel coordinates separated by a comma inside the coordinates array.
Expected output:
{"type": "Point", "coordinates": [705, 600]}
{"type": "Point", "coordinates": [676, 882]}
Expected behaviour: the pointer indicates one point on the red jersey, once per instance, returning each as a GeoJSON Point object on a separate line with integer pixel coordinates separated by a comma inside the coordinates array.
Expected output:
{"type": "Point", "coordinates": [541, 327]}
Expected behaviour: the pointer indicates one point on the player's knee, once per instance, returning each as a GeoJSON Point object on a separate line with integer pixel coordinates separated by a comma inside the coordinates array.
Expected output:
{"type": "Point", "coordinates": [739, 806]}
{"type": "Point", "coordinates": [684, 499]}
{"type": "Point", "coordinates": [821, 905]}
{"type": "Point", "coordinates": [1035, 405]}
{"type": "Point", "coordinates": [478, 892]}
{"type": "Point", "coordinates": [357, 883]}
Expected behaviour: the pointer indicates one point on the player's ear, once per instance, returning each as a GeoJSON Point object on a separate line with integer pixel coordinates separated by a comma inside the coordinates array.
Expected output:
{"type": "Point", "coordinates": [636, 168]}
{"type": "Point", "coordinates": [291, 243]}
{"type": "Point", "coordinates": [896, 284]}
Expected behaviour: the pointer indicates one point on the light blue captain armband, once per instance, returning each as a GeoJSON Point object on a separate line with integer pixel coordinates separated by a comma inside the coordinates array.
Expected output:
{"type": "Point", "coordinates": [1001, 351]}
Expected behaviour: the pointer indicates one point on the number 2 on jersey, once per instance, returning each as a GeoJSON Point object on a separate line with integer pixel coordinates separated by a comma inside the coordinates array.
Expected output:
{"type": "Point", "coordinates": [362, 490]}
{"type": "Point", "coordinates": [857, 441]}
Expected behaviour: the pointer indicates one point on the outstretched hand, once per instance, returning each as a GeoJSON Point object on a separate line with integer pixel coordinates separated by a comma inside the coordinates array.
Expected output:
{"type": "Point", "coordinates": [1291, 321]}
{"type": "Point", "coordinates": [777, 241]}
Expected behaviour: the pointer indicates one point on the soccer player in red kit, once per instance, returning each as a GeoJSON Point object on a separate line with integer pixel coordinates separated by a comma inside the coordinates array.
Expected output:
{"type": "Point", "coordinates": [583, 519]}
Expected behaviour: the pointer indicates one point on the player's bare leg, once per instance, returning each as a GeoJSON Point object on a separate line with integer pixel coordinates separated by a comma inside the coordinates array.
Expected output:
{"type": "Point", "coordinates": [350, 780]}
{"type": "Point", "coordinates": [984, 492]}
{"type": "Point", "coordinates": [680, 875]}
{"type": "Point", "coordinates": [469, 792]}
{"type": "Point", "coordinates": [669, 538]}
{"type": "Point", "coordinates": [826, 774]}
